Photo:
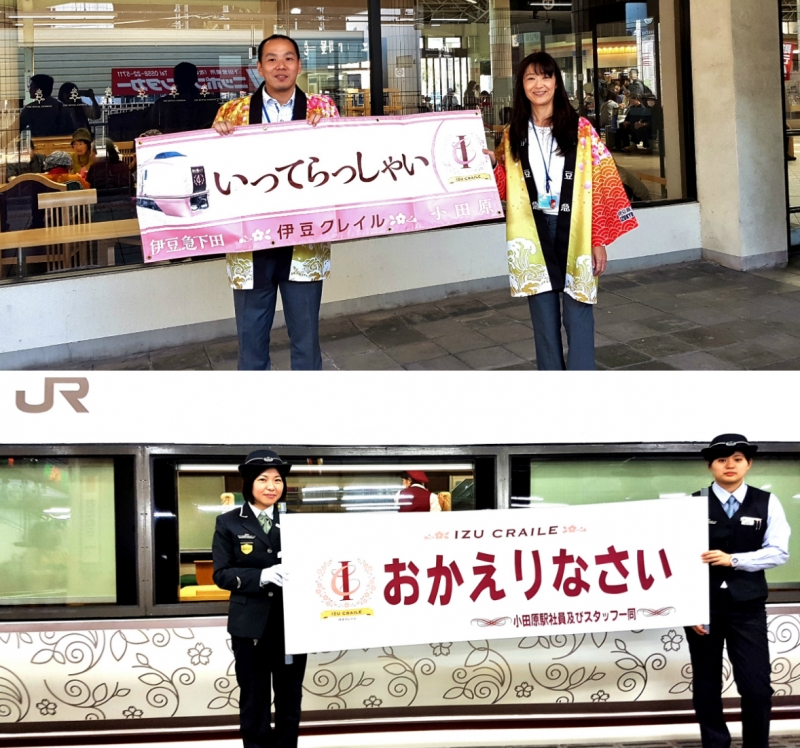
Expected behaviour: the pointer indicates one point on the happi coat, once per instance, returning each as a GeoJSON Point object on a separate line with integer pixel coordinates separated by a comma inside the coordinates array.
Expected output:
{"type": "Point", "coordinates": [310, 262]}
{"type": "Point", "coordinates": [594, 211]}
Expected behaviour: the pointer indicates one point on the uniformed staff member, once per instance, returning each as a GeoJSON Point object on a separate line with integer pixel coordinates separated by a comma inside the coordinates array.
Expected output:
{"type": "Point", "coordinates": [748, 534]}
{"type": "Point", "coordinates": [414, 496]}
{"type": "Point", "coordinates": [247, 561]}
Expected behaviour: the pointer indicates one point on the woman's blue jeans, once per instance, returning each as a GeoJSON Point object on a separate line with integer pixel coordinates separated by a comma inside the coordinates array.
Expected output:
{"type": "Point", "coordinates": [548, 310]}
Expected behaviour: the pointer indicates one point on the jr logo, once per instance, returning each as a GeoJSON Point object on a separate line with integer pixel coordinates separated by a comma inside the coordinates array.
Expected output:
{"type": "Point", "coordinates": [461, 154]}
{"type": "Point", "coordinates": [74, 389]}
{"type": "Point", "coordinates": [343, 582]}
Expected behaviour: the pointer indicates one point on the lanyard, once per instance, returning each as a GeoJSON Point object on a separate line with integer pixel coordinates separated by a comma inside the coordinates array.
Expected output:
{"type": "Point", "coordinates": [548, 162]}
{"type": "Point", "coordinates": [280, 107]}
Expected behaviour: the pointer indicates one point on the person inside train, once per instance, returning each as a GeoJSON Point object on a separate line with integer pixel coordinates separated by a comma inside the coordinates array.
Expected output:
{"type": "Point", "coordinates": [247, 561]}
{"type": "Point", "coordinates": [415, 496]}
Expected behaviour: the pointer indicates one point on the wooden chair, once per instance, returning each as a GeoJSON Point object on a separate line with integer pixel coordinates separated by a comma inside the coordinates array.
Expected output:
{"type": "Point", "coordinates": [204, 572]}
{"type": "Point", "coordinates": [654, 179]}
{"type": "Point", "coordinates": [127, 151]}
{"type": "Point", "coordinates": [353, 104]}
{"type": "Point", "coordinates": [68, 208]}
{"type": "Point", "coordinates": [46, 146]}
{"type": "Point", "coordinates": [19, 211]}
{"type": "Point", "coordinates": [391, 101]}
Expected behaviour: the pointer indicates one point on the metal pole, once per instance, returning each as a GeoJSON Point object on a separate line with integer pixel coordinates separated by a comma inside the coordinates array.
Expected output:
{"type": "Point", "coordinates": [375, 57]}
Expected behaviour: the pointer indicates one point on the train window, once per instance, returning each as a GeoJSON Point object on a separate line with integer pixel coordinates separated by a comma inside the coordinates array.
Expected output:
{"type": "Point", "coordinates": [538, 482]}
{"type": "Point", "coordinates": [60, 539]}
{"type": "Point", "coordinates": [189, 495]}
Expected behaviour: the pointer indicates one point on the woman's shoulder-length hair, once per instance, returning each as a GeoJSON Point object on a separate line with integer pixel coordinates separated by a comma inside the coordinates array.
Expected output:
{"type": "Point", "coordinates": [565, 118]}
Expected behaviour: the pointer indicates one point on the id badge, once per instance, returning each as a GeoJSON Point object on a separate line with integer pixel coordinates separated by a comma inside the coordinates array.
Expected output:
{"type": "Point", "coordinates": [548, 202]}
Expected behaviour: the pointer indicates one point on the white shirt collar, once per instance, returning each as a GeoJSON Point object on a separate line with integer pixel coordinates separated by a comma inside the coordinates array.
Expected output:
{"type": "Point", "coordinates": [724, 495]}
{"type": "Point", "coordinates": [268, 99]}
{"type": "Point", "coordinates": [257, 512]}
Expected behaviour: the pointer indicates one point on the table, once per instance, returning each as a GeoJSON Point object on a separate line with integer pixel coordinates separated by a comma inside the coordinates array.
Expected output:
{"type": "Point", "coordinates": [203, 592]}
{"type": "Point", "coordinates": [20, 240]}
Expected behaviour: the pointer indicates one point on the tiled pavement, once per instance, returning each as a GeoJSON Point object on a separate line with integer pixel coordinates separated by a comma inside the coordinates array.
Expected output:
{"type": "Point", "coordinates": [694, 315]}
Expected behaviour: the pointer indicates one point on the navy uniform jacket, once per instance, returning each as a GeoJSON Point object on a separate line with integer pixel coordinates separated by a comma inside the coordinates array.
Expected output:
{"type": "Point", "coordinates": [241, 549]}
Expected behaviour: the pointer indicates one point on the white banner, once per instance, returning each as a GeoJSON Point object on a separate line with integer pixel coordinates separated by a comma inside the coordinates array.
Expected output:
{"type": "Point", "coordinates": [373, 580]}
{"type": "Point", "coordinates": [275, 186]}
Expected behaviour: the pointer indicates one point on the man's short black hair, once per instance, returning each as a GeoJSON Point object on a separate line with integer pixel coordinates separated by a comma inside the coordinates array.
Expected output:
{"type": "Point", "coordinates": [43, 83]}
{"type": "Point", "coordinates": [185, 76]}
{"type": "Point", "coordinates": [277, 36]}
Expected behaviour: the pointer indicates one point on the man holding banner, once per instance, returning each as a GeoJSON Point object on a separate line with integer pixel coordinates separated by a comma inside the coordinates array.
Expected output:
{"type": "Point", "coordinates": [296, 271]}
{"type": "Point", "coordinates": [748, 534]}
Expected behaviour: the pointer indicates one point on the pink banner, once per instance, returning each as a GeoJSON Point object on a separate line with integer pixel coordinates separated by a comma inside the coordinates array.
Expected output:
{"type": "Point", "coordinates": [159, 81]}
{"type": "Point", "coordinates": [285, 184]}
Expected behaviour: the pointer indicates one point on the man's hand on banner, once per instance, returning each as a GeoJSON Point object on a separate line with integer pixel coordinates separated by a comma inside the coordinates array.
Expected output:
{"type": "Point", "coordinates": [223, 127]}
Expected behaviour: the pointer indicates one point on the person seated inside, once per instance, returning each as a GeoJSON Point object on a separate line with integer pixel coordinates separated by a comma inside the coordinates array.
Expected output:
{"type": "Point", "coordinates": [83, 155]}
{"type": "Point", "coordinates": [58, 168]}
{"type": "Point", "coordinates": [111, 173]}
{"type": "Point", "coordinates": [45, 116]}
{"type": "Point", "coordinates": [186, 108]}
{"type": "Point", "coordinates": [635, 188]}
{"type": "Point", "coordinates": [450, 101]}
{"type": "Point", "coordinates": [80, 114]}
{"type": "Point", "coordinates": [145, 134]}
{"type": "Point", "coordinates": [637, 128]}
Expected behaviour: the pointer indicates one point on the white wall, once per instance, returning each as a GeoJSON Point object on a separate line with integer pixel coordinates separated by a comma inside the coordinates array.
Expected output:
{"type": "Point", "coordinates": [53, 312]}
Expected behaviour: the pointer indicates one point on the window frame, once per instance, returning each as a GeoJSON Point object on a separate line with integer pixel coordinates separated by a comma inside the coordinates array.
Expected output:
{"type": "Point", "coordinates": [782, 593]}
{"type": "Point", "coordinates": [129, 476]}
{"type": "Point", "coordinates": [499, 459]}
{"type": "Point", "coordinates": [374, 7]}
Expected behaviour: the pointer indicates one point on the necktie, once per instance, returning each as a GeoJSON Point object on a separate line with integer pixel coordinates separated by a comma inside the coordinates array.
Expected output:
{"type": "Point", "coordinates": [266, 522]}
{"type": "Point", "coordinates": [731, 505]}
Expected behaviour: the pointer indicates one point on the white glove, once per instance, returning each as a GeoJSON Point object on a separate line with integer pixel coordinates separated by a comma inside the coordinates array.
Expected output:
{"type": "Point", "coordinates": [273, 575]}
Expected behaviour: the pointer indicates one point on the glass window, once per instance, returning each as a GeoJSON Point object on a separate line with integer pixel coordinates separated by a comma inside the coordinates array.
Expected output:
{"type": "Point", "coordinates": [540, 482]}
{"type": "Point", "coordinates": [122, 69]}
{"type": "Point", "coordinates": [791, 90]}
{"type": "Point", "coordinates": [190, 494]}
{"type": "Point", "coordinates": [57, 531]}
{"type": "Point", "coordinates": [465, 56]}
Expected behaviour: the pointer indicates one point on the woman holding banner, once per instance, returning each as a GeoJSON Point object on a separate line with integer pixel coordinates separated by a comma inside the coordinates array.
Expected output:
{"type": "Point", "coordinates": [565, 204]}
{"type": "Point", "coordinates": [247, 561]}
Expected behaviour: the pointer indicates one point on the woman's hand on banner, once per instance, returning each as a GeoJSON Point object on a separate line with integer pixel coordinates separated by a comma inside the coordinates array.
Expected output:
{"type": "Point", "coordinates": [274, 575]}
{"type": "Point", "coordinates": [702, 630]}
{"type": "Point", "coordinates": [315, 119]}
{"type": "Point", "coordinates": [223, 127]}
{"type": "Point", "coordinates": [716, 558]}
{"type": "Point", "coordinates": [599, 260]}
{"type": "Point", "coordinates": [491, 156]}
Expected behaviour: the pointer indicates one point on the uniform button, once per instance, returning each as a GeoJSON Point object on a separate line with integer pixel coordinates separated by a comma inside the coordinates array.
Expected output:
{"type": "Point", "coordinates": [269, 594]}
{"type": "Point", "coordinates": [269, 550]}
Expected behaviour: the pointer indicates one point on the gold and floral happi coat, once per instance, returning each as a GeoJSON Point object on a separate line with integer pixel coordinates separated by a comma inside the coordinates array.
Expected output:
{"type": "Point", "coordinates": [600, 214]}
{"type": "Point", "coordinates": [310, 262]}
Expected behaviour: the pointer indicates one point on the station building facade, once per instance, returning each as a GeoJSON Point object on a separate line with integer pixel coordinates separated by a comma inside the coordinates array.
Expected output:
{"type": "Point", "coordinates": [713, 168]}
